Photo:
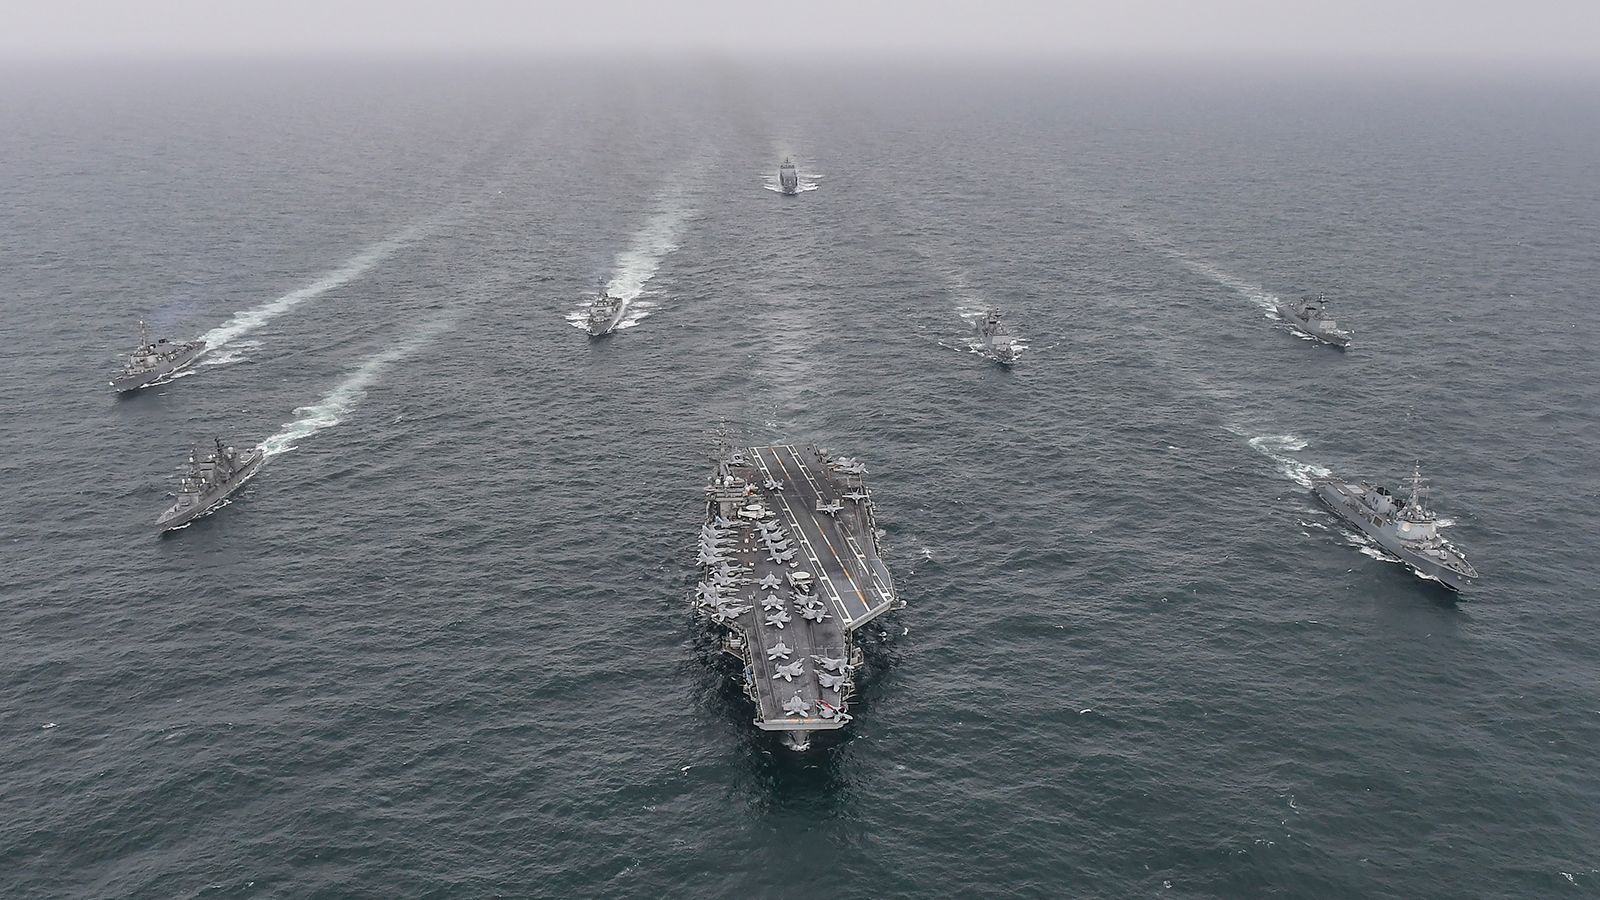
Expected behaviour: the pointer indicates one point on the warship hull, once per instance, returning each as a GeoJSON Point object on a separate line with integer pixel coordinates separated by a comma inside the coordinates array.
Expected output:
{"type": "Point", "coordinates": [1353, 514]}
{"type": "Point", "coordinates": [125, 382]}
{"type": "Point", "coordinates": [176, 518]}
{"type": "Point", "coordinates": [603, 327]}
{"type": "Point", "coordinates": [1338, 339]}
{"type": "Point", "coordinates": [822, 515]}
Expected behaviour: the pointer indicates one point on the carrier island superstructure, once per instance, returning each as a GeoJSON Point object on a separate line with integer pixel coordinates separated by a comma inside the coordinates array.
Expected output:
{"type": "Point", "coordinates": [791, 570]}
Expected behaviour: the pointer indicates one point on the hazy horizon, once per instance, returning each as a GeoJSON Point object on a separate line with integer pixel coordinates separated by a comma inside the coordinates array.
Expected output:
{"type": "Point", "coordinates": [1544, 34]}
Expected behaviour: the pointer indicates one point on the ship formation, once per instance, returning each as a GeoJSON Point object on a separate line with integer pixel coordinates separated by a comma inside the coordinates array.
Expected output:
{"type": "Point", "coordinates": [791, 571]}
{"type": "Point", "coordinates": [789, 555]}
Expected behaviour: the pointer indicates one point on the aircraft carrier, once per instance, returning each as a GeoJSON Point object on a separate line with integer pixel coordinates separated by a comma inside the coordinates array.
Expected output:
{"type": "Point", "coordinates": [791, 570]}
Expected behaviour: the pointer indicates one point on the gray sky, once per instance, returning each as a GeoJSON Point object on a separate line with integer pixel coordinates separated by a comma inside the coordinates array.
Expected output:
{"type": "Point", "coordinates": [1557, 33]}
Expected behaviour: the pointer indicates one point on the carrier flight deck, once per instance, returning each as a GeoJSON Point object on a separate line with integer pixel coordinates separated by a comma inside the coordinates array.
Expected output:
{"type": "Point", "coordinates": [791, 568]}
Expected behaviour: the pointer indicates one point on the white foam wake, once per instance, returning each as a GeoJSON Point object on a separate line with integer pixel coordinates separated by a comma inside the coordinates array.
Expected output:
{"type": "Point", "coordinates": [1255, 293]}
{"type": "Point", "coordinates": [652, 243]}
{"type": "Point", "coordinates": [331, 409]}
{"type": "Point", "coordinates": [804, 181]}
{"type": "Point", "coordinates": [1278, 448]}
{"type": "Point", "coordinates": [235, 352]}
{"type": "Point", "coordinates": [246, 321]}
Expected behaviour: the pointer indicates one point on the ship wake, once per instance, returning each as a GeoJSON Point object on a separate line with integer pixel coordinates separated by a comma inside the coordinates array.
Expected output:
{"type": "Point", "coordinates": [235, 352]}
{"type": "Point", "coordinates": [1255, 293]}
{"type": "Point", "coordinates": [1207, 269]}
{"type": "Point", "coordinates": [636, 266]}
{"type": "Point", "coordinates": [1279, 448]}
{"type": "Point", "coordinates": [248, 320]}
{"type": "Point", "coordinates": [331, 409]}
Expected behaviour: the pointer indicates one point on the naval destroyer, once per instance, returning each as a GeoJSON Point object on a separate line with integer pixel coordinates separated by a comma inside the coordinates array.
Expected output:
{"type": "Point", "coordinates": [791, 571]}
{"type": "Point", "coordinates": [788, 179]}
{"type": "Point", "coordinates": [1310, 317]}
{"type": "Point", "coordinates": [1401, 525]}
{"type": "Point", "coordinates": [209, 481]}
{"type": "Point", "coordinates": [155, 360]}
{"type": "Point", "coordinates": [604, 313]}
{"type": "Point", "coordinates": [995, 339]}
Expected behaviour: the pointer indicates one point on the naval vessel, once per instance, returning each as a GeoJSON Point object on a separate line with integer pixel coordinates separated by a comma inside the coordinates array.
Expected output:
{"type": "Point", "coordinates": [1401, 525]}
{"type": "Point", "coordinates": [995, 339]}
{"type": "Point", "coordinates": [605, 312]}
{"type": "Point", "coordinates": [155, 360]}
{"type": "Point", "coordinates": [1310, 317]}
{"type": "Point", "coordinates": [788, 178]}
{"type": "Point", "coordinates": [210, 480]}
{"type": "Point", "coordinates": [791, 571]}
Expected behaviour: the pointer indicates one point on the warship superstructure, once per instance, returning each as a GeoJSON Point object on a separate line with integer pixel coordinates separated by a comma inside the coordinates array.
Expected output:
{"type": "Point", "coordinates": [1310, 317]}
{"type": "Point", "coordinates": [155, 360]}
{"type": "Point", "coordinates": [995, 339]}
{"type": "Point", "coordinates": [791, 570]}
{"type": "Point", "coordinates": [209, 481]}
{"type": "Point", "coordinates": [1404, 526]}
{"type": "Point", "coordinates": [604, 313]}
{"type": "Point", "coordinates": [788, 178]}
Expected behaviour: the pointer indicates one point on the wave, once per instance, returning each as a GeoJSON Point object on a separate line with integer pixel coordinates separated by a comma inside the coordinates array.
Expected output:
{"type": "Point", "coordinates": [248, 320]}
{"type": "Point", "coordinates": [332, 409]}
{"type": "Point", "coordinates": [1278, 448]}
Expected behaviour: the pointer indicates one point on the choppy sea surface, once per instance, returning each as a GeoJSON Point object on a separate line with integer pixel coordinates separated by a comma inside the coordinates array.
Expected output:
{"type": "Point", "coordinates": [441, 646]}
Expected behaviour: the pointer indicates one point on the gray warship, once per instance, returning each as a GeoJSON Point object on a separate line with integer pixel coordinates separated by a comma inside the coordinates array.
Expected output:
{"type": "Point", "coordinates": [995, 339]}
{"type": "Point", "coordinates": [604, 313]}
{"type": "Point", "coordinates": [1310, 317]}
{"type": "Point", "coordinates": [155, 360]}
{"type": "Point", "coordinates": [210, 480]}
{"type": "Point", "coordinates": [788, 179]}
{"type": "Point", "coordinates": [1401, 525]}
{"type": "Point", "coordinates": [791, 570]}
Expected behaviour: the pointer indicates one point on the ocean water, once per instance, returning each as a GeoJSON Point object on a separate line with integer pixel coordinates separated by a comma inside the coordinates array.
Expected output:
{"type": "Point", "coordinates": [441, 645]}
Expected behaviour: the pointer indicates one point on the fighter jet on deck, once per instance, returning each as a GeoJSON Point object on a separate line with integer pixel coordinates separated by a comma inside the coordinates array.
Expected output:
{"type": "Point", "coordinates": [856, 496]}
{"type": "Point", "coordinates": [832, 665]}
{"type": "Point", "coordinates": [829, 711]}
{"type": "Point", "coordinates": [774, 484]}
{"type": "Point", "coordinates": [709, 559]}
{"type": "Point", "coordinates": [772, 582]}
{"type": "Point", "coordinates": [796, 706]}
{"type": "Point", "coordinates": [833, 683]}
{"type": "Point", "coordinates": [831, 509]}
{"type": "Point", "coordinates": [849, 465]}
{"type": "Point", "coordinates": [777, 619]}
{"type": "Point", "coordinates": [815, 613]}
{"type": "Point", "coordinates": [723, 522]}
{"type": "Point", "coordinates": [789, 672]}
{"type": "Point", "coordinates": [771, 601]}
{"type": "Point", "coordinates": [780, 650]}
{"type": "Point", "coordinates": [781, 556]}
